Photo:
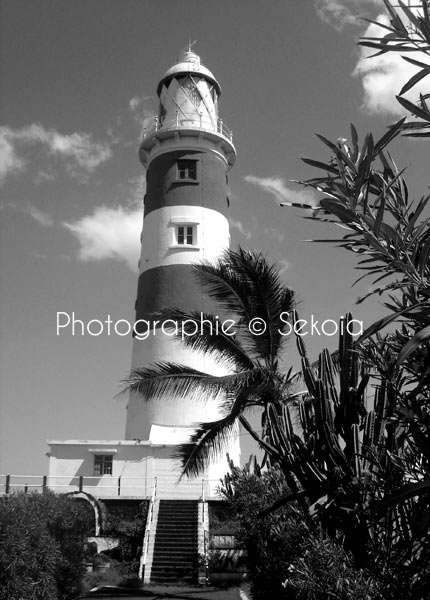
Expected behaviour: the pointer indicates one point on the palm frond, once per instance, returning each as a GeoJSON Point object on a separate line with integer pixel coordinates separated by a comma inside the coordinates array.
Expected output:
{"type": "Point", "coordinates": [172, 379]}
{"type": "Point", "coordinates": [248, 287]}
{"type": "Point", "coordinates": [210, 439]}
{"type": "Point", "coordinates": [243, 390]}
{"type": "Point", "coordinates": [204, 332]}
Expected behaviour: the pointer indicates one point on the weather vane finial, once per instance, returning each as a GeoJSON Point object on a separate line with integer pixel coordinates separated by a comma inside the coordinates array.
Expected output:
{"type": "Point", "coordinates": [191, 44]}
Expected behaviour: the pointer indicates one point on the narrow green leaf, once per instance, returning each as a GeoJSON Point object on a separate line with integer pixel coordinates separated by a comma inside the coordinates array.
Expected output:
{"type": "Point", "coordinates": [421, 205]}
{"type": "Point", "coordinates": [407, 491]}
{"type": "Point", "coordinates": [424, 258]}
{"type": "Point", "coordinates": [413, 344]}
{"type": "Point", "coordinates": [416, 135]}
{"type": "Point", "coordinates": [320, 165]}
{"type": "Point", "coordinates": [413, 108]}
{"type": "Point", "coordinates": [337, 151]}
{"type": "Point", "coordinates": [414, 80]}
{"type": "Point", "coordinates": [299, 205]}
{"type": "Point", "coordinates": [379, 217]}
{"type": "Point", "coordinates": [397, 22]}
{"type": "Point", "coordinates": [377, 325]}
{"type": "Point", "coordinates": [387, 137]}
{"type": "Point", "coordinates": [413, 18]}
{"type": "Point", "coordinates": [415, 62]}
{"type": "Point", "coordinates": [340, 211]}
{"type": "Point", "coordinates": [388, 27]}
{"type": "Point", "coordinates": [354, 141]}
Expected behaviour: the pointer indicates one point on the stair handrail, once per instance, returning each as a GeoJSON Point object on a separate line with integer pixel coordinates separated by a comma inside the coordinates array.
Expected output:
{"type": "Point", "coordinates": [205, 535]}
{"type": "Point", "coordinates": [149, 519]}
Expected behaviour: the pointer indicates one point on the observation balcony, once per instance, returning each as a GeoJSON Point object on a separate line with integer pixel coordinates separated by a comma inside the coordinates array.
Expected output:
{"type": "Point", "coordinates": [187, 125]}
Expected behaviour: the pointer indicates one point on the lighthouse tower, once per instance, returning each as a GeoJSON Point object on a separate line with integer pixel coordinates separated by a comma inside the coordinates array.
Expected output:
{"type": "Point", "coordinates": [187, 153]}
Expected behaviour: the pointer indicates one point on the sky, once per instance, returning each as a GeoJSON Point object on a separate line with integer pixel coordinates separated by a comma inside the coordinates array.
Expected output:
{"type": "Point", "coordinates": [78, 84]}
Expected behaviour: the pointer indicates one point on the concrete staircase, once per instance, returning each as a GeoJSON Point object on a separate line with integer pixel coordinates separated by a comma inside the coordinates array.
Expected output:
{"type": "Point", "coordinates": [175, 555]}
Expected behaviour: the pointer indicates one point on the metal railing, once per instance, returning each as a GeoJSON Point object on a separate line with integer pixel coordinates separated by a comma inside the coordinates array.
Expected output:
{"type": "Point", "coordinates": [108, 486]}
{"type": "Point", "coordinates": [188, 121]}
{"type": "Point", "coordinates": [148, 530]}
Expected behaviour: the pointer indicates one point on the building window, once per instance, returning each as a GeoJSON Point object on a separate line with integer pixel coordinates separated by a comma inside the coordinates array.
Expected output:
{"type": "Point", "coordinates": [103, 464]}
{"type": "Point", "coordinates": [186, 235]}
{"type": "Point", "coordinates": [187, 169]}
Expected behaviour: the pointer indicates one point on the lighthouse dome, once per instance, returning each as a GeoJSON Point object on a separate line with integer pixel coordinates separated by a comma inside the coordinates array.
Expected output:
{"type": "Point", "coordinates": [189, 62]}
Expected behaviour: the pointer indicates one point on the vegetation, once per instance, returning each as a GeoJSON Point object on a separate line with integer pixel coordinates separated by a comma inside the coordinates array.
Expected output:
{"type": "Point", "coordinates": [382, 506]}
{"type": "Point", "coordinates": [126, 521]}
{"type": "Point", "coordinates": [352, 449]}
{"type": "Point", "coordinates": [286, 558]}
{"type": "Point", "coordinates": [42, 546]}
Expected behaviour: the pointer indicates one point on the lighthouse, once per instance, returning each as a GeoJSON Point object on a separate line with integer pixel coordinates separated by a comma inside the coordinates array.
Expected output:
{"type": "Point", "coordinates": [187, 152]}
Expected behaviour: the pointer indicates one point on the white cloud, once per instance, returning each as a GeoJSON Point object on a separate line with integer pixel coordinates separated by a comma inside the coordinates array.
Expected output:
{"type": "Point", "coordinates": [278, 188]}
{"type": "Point", "coordinates": [240, 228]}
{"type": "Point", "coordinates": [255, 229]}
{"type": "Point", "coordinates": [109, 233]}
{"type": "Point", "coordinates": [339, 13]}
{"type": "Point", "coordinates": [143, 111]}
{"type": "Point", "coordinates": [274, 234]}
{"type": "Point", "coordinates": [78, 151]}
{"type": "Point", "coordinates": [41, 217]}
{"type": "Point", "coordinates": [384, 76]}
{"type": "Point", "coordinates": [10, 162]}
{"type": "Point", "coordinates": [113, 232]}
{"type": "Point", "coordinates": [283, 265]}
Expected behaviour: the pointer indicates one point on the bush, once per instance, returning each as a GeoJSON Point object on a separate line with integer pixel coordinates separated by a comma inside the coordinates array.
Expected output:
{"type": "Point", "coordinates": [326, 571]}
{"type": "Point", "coordinates": [270, 542]}
{"type": "Point", "coordinates": [286, 556]}
{"type": "Point", "coordinates": [126, 521]}
{"type": "Point", "coordinates": [42, 547]}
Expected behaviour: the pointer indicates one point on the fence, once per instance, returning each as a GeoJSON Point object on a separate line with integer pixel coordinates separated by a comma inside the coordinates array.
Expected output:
{"type": "Point", "coordinates": [110, 486]}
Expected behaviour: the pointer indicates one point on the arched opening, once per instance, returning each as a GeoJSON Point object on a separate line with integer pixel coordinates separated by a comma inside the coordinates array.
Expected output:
{"type": "Point", "coordinates": [98, 513]}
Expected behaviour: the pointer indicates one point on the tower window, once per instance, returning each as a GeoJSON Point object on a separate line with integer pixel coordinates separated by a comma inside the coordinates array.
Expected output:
{"type": "Point", "coordinates": [103, 464]}
{"type": "Point", "coordinates": [187, 169]}
{"type": "Point", "coordinates": [186, 235]}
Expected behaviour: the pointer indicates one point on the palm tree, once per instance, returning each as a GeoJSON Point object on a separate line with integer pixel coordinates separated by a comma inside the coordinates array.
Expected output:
{"type": "Point", "coordinates": [249, 291]}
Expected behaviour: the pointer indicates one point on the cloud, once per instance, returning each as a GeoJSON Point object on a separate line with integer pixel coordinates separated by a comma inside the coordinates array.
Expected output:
{"type": "Point", "coordinates": [10, 162]}
{"type": "Point", "coordinates": [112, 232]}
{"type": "Point", "coordinates": [109, 233]}
{"type": "Point", "coordinates": [41, 217]}
{"type": "Point", "coordinates": [339, 13]}
{"type": "Point", "coordinates": [283, 265]}
{"type": "Point", "coordinates": [241, 228]}
{"type": "Point", "coordinates": [143, 112]}
{"type": "Point", "coordinates": [273, 233]}
{"type": "Point", "coordinates": [277, 187]}
{"type": "Point", "coordinates": [383, 76]}
{"type": "Point", "coordinates": [255, 229]}
{"type": "Point", "coordinates": [79, 153]}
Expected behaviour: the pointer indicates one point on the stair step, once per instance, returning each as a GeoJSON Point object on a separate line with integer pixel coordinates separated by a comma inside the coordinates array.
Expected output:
{"type": "Point", "coordinates": [172, 526]}
{"type": "Point", "coordinates": [175, 564]}
{"type": "Point", "coordinates": [163, 534]}
{"type": "Point", "coordinates": [184, 555]}
{"type": "Point", "coordinates": [175, 552]}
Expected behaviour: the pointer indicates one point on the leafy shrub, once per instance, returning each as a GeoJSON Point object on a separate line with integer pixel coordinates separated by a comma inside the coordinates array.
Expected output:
{"type": "Point", "coordinates": [126, 521]}
{"type": "Point", "coordinates": [326, 571]}
{"type": "Point", "coordinates": [42, 547]}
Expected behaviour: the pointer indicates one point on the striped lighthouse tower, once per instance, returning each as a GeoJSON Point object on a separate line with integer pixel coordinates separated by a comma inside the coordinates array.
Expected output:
{"type": "Point", "coordinates": [187, 154]}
